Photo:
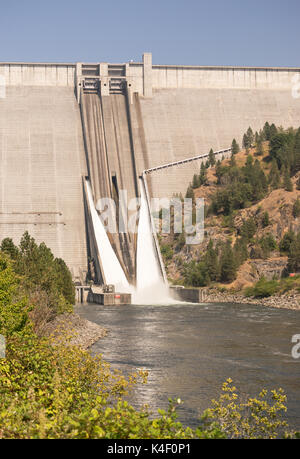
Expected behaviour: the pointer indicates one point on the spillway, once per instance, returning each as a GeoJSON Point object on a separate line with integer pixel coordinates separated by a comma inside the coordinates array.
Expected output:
{"type": "Point", "coordinates": [151, 287]}
{"type": "Point", "coordinates": [111, 164]}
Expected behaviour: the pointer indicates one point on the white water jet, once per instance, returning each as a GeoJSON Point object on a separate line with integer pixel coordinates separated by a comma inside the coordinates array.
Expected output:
{"type": "Point", "coordinates": [111, 266]}
{"type": "Point", "coordinates": [150, 285]}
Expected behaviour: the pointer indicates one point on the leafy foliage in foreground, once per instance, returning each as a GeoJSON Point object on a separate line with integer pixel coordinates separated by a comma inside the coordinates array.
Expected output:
{"type": "Point", "coordinates": [63, 391]}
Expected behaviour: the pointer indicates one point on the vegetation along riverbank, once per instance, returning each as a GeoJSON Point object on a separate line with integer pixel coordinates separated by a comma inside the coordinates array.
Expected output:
{"type": "Point", "coordinates": [59, 390]}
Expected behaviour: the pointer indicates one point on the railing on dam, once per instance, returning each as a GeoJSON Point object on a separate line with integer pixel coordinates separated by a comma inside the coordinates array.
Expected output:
{"type": "Point", "coordinates": [187, 160]}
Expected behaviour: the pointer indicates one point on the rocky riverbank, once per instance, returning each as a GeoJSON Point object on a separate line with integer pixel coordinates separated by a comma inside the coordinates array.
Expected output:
{"type": "Point", "coordinates": [289, 300]}
{"type": "Point", "coordinates": [74, 330]}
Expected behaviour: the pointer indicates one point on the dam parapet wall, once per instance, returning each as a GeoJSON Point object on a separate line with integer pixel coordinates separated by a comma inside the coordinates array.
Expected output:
{"type": "Point", "coordinates": [144, 77]}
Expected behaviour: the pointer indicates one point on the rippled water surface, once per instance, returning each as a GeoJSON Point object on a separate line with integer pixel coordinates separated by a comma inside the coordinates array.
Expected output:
{"type": "Point", "coordinates": [191, 349]}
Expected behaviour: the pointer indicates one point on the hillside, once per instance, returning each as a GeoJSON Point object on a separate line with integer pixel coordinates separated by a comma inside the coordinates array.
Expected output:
{"type": "Point", "coordinates": [249, 238]}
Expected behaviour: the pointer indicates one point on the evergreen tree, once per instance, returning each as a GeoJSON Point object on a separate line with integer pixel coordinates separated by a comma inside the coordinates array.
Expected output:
{"type": "Point", "coordinates": [250, 136]}
{"type": "Point", "coordinates": [228, 266]}
{"type": "Point", "coordinates": [248, 229]}
{"type": "Point", "coordinates": [203, 175]}
{"type": "Point", "coordinates": [294, 256]}
{"type": "Point", "coordinates": [212, 159]}
{"type": "Point", "coordinates": [190, 192]}
{"type": "Point", "coordinates": [296, 208]}
{"type": "Point", "coordinates": [297, 152]}
{"type": "Point", "coordinates": [235, 147]}
{"type": "Point", "coordinates": [7, 246]}
{"type": "Point", "coordinates": [266, 131]}
{"type": "Point", "coordinates": [272, 131]}
{"type": "Point", "coordinates": [211, 262]}
{"type": "Point", "coordinates": [196, 181]}
{"type": "Point", "coordinates": [246, 142]}
{"type": "Point", "coordinates": [274, 176]}
{"type": "Point", "coordinates": [286, 242]}
{"type": "Point", "coordinates": [240, 251]}
{"type": "Point", "coordinates": [259, 148]}
{"type": "Point", "coordinates": [232, 162]}
{"type": "Point", "coordinates": [287, 183]}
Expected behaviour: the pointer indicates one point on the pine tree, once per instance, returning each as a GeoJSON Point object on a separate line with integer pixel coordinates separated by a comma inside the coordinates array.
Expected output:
{"type": "Point", "coordinates": [8, 246]}
{"type": "Point", "coordinates": [272, 131]}
{"type": "Point", "coordinates": [296, 208]}
{"type": "Point", "coordinates": [203, 174]}
{"type": "Point", "coordinates": [211, 261]}
{"type": "Point", "coordinates": [190, 192]}
{"type": "Point", "coordinates": [294, 256]}
{"type": "Point", "coordinates": [196, 181]}
{"type": "Point", "coordinates": [250, 136]}
{"type": "Point", "coordinates": [235, 147]}
{"type": "Point", "coordinates": [259, 148]}
{"type": "Point", "coordinates": [266, 131]}
{"type": "Point", "coordinates": [246, 143]}
{"type": "Point", "coordinates": [240, 251]}
{"type": "Point", "coordinates": [228, 266]}
{"type": "Point", "coordinates": [274, 176]}
{"type": "Point", "coordinates": [232, 161]}
{"type": "Point", "coordinates": [287, 183]}
{"type": "Point", "coordinates": [297, 152]}
{"type": "Point", "coordinates": [212, 159]}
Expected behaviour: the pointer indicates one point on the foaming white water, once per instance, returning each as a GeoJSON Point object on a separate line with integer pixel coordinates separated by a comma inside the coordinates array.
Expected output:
{"type": "Point", "coordinates": [150, 286]}
{"type": "Point", "coordinates": [112, 269]}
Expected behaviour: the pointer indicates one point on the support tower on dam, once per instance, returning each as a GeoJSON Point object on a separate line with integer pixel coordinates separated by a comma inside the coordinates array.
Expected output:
{"type": "Point", "coordinates": [62, 122]}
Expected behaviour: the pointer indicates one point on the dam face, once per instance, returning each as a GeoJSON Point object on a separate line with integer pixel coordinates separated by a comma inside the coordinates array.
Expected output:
{"type": "Point", "coordinates": [60, 123]}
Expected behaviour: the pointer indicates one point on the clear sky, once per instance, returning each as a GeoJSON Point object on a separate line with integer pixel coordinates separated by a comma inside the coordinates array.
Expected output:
{"type": "Point", "coordinates": [196, 32]}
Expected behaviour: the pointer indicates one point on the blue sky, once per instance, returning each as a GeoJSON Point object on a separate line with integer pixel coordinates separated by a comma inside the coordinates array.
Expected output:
{"type": "Point", "coordinates": [196, 32]}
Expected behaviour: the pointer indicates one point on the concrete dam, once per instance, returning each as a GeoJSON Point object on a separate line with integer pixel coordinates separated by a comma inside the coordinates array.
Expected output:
{"type": "Point", "coordinates": [72, 134]}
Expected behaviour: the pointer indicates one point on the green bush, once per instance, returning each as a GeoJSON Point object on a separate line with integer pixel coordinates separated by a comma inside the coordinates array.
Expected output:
{"type": "Point", "coordinates": [263, 288]}
{"type": "Point", "coordinates": [167, 252]}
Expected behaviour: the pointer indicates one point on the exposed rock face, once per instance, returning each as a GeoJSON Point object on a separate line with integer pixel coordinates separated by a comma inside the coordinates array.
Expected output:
{"type": "Point", "coordinates": [270, 269]}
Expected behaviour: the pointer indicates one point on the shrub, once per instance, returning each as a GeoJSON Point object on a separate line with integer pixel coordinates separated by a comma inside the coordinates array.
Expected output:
{"type": "Point", "coordinates": [259, 417]}
{"type": "Point", "coordinates": [263, 288]}
{"type": "Point", "coordinates": [167, 252]}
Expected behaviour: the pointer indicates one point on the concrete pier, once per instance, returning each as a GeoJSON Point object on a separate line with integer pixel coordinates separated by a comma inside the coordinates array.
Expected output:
{"type": "Point", "coordinates": [96, 295]}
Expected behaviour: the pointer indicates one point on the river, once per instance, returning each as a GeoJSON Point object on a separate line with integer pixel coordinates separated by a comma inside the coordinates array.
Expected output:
{"type": "Point", "coordinates": [191, 349]}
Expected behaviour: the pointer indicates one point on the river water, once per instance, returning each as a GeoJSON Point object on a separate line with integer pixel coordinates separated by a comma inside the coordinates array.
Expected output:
{"type": "Point", "coordinates": [191, 349]}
